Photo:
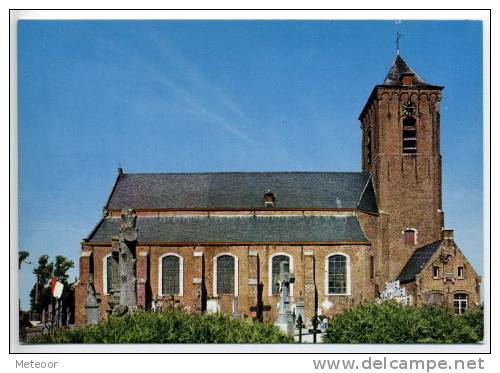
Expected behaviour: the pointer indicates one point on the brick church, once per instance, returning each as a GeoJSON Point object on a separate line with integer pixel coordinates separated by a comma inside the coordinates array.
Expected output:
{"type": "Point", "coordinates": [216, 242]}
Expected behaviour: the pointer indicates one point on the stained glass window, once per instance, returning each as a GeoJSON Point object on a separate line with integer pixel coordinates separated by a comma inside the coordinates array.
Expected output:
{"type": "Point", "coordinates": [170, 275]}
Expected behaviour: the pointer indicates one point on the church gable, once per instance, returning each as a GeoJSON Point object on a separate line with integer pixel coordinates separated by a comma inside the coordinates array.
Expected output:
{"type": "Point", "coordinates": [447, 264]}
{"type": "Point", "coordinates": [441, 260]}
{"type": "Point", "coordinates": [242, 190]}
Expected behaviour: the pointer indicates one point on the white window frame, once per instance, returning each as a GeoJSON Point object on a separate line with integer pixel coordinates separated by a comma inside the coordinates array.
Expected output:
{"type": "Point", "coordinates": [348, 274]}
{"type": "Point", "coordinates": [463, 272]}
{"type": "Point", "coordinates": [270, 271]}
{"type": "Point", "coordinates": [236, 268]}
{"type": "Point", "coordinates": [105, 274]}
{"type": "Point", "coordinates": [160, 274]}
{"type": "Point", "coordinates": [466, 301]}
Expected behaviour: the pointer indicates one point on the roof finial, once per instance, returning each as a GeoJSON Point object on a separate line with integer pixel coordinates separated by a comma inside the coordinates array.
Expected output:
{"type": "Point", "coordinates": [398, 35]}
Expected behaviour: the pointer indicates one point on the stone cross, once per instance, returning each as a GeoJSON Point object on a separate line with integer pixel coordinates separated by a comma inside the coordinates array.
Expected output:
{"type": "Point", "coordinates": [284, 280]}
{"type": "Point", "coordinates": [284, 319]}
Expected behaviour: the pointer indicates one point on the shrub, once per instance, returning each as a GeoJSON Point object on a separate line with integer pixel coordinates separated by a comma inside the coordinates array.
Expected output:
{"type": "Point", "coordinates": [475, 319]}
{"type": "Point", "coordinates": [170, 327]}
{"type": "Point", "coordinates": [391, 322]}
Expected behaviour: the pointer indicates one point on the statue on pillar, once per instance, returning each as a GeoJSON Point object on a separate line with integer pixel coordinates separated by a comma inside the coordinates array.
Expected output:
{"type": "Point", "coordinates": [92, 305]}
{"type": "Point", "coordinates": [284, 320]}
{"type": "Point", "coordinates": [126, 262]}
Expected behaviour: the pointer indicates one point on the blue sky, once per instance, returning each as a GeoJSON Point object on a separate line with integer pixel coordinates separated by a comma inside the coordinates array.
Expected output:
{"type": "Point", "coordinates": [193, 96]}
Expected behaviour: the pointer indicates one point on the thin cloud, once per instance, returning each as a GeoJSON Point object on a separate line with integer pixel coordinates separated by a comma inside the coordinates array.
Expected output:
{"type": "Point", "coordinates": [194, 91]}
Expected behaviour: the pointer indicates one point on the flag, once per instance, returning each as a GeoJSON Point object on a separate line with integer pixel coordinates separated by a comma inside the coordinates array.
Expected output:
{"type": "Point", "coordinates": [56, 287]}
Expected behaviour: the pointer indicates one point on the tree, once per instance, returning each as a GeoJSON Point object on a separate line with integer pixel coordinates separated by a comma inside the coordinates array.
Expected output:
{"type": "Point", "coordinates": [61, 266]}
{"type": "Point", "coordinates": [40, 294]}
{"type": "Point", "coordinates": [23, 258]}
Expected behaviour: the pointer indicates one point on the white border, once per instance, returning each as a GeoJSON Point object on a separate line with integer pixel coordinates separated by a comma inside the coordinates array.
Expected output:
{"type": "Point", "coordinates": [134, 363]}
{"type": "Point", "coordinates": [236, 268]}
{"type": "Point", "coordinates": [348, 275]}
{"type": "Point", "coordinates": [181, 274]}
{"type": "Point", "coordinates": [270, 271]}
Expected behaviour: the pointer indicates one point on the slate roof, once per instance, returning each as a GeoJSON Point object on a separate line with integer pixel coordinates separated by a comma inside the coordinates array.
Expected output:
{"type": "Point", "coordinates": [242, 190]}
{"type": "Point", "coordinates": [400, 67]}
{"type": "Point", "coordinates": [417, 261]}
{"type": "Point", "coordinates": [338, 228]}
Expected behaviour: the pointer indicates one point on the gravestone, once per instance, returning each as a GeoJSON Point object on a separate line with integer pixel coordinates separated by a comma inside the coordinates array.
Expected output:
{"type": "Point", "coordinates": [284, 319]}
{"type": "Point", "coordinates": [300, 309]}
{"type": "Point", "coordinates": [92, 305]}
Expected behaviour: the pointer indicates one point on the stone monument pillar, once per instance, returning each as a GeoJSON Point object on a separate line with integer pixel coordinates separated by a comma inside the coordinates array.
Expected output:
{"type": "Point", "coordinates": [126, 262]}
{"type": "Point", "coordinates": [284, 319]}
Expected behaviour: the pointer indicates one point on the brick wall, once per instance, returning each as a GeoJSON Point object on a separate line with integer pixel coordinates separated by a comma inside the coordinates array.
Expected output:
{"type": "Point", "coordinates": [307, 264]}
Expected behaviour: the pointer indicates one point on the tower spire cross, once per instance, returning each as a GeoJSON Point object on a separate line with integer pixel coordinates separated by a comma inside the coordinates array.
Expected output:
{"type": "Point", "coordinates": [398, 35]}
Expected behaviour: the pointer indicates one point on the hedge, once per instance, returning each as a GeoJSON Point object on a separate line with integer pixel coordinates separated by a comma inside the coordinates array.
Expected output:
{"type": "Point", "coordinates": [391, 322]}
{"type": "Point", "coordinates": [170, 327]}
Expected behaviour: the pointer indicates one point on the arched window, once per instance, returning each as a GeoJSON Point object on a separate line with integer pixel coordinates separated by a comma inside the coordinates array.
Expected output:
{"type": "Point", "coordinates": [170, 274]}
{"type": "Point", "coordinates": [338, 274]}
{"type": "Point", "coordinates": [225, 274]}
{"type": "Point", "coordinates": [460, 302]}
{"type": "Point", "coordinates": [274, 270]}
{"type": "Point", "coordinates": [107, 275]}
{"type": "Point", "coordinates": [409, 135]}
{"type": "Point", "coordinates": [410, 236]}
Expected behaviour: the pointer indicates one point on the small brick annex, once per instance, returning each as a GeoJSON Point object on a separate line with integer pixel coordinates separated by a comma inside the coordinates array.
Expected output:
{"type": "Point", "coordinates": [342, 234]}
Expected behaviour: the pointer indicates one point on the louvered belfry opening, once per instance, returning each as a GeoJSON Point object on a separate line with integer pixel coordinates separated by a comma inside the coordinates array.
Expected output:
{"type": "Point", "coordinates": [409, 135]}
{"type": "Point", "coordinates": [170, 275]}
{"type": "Point", "coordinates": [225, 275]}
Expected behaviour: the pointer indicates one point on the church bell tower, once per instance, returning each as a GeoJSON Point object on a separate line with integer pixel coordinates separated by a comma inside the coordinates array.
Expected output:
{"type": "Point", "coordinates": [400, 148]}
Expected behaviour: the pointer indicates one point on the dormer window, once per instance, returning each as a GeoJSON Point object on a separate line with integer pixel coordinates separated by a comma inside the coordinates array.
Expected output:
{"type": "Point", "coordinates": [407, 79]}
{"type": "Point", "coordinates": [269, 199]}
